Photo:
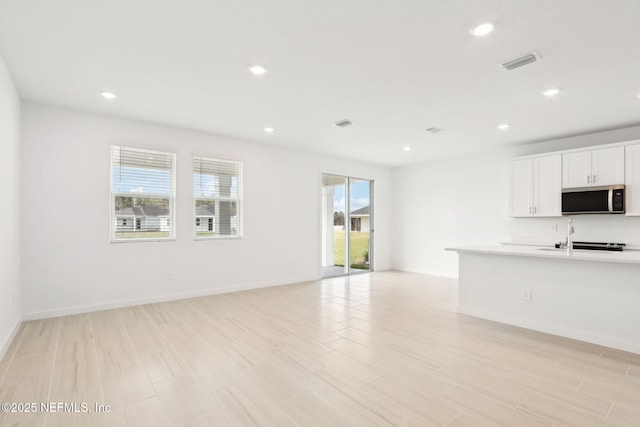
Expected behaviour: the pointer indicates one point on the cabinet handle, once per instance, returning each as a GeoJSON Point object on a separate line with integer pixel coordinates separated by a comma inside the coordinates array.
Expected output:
{"type": "Point", "coordinates": [530, 209]}
{"type": "Point", "coordinates": [594, 179]}
{"type": "Point", "coordinates": [535, 210]}
{"type": "Point", "coordinates": [588, 179]}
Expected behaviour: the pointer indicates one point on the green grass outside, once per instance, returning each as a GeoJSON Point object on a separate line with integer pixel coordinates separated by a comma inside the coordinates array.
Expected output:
{"type": "Point", "coordinates": [359, 250]}
{"type": "Point", "coordinates": [142, 234]}
{"type": "Point", "coordinates": [214, 234]}
{"type": "Point", "coordinates": [158, 234]}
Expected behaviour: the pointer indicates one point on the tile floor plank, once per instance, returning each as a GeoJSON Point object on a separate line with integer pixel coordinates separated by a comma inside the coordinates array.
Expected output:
{"type": "Point", "coordinates": [38, 337]}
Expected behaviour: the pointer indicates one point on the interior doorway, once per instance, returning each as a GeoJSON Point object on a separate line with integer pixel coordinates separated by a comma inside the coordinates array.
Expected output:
{"type": "Point", "coordinates": [347, 225]}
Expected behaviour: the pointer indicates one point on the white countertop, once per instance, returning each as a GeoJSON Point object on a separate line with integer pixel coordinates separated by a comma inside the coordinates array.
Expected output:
{"type": "Point", "coordinates": [626, 257]}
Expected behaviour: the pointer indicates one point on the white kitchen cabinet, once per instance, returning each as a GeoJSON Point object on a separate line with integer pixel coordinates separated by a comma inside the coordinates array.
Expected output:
{"type": "Point", "coordinates": [632, 180]}
{"type": "Point", "coordinates": [536, 187]}
{"type": "Point", "coordinates": [547, 186]}
{"type": "Point", "coordinates": [589, 168]}
{"type": "Point", "coordinates": [576, 169]}
{"type": "Point", "coordinates": [607, 166]}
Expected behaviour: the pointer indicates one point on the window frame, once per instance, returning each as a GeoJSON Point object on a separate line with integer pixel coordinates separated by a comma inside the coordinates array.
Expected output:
{"type": "Point", "coordinates": [171, 219]}
{"type": "Point", "coordinates": [238, 200]}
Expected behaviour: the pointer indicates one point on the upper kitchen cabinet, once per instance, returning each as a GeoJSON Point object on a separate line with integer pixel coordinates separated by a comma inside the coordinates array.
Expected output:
{"type": "Point", "coordinates": [576, 169]}
{"type": "Point", "coordinates": [603, 166]}
{"type": "Point", "coordinates": [535, 187]}
{"type": "Point", "coordinates": [632, 180]}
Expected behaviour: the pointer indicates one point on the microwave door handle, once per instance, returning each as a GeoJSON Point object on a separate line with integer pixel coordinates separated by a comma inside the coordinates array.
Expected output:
{"type": "Point", "coordinates": [610, 200]}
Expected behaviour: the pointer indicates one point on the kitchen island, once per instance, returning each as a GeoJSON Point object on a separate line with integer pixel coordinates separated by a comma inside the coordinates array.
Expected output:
{"type": "Point", "coordinates": [592, 296]}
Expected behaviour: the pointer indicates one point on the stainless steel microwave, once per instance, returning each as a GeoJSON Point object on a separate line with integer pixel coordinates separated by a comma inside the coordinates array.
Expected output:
{"type": "Point", "coordinates": [593, 200]}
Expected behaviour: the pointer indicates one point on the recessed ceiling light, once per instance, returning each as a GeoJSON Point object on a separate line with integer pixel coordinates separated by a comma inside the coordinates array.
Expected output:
{"type": "Point", "coordinates": [551, 92]}
{"type": "Point", "coordinates": [108, 95]}
{"type": "Point", "coordinates": [482, 29]}
{"type": "Point", "coordinates": [269, 129]}
{"type": "Point", "coordinates": [407, 148]}
{"type": "Point", "coordinates": [504, 126]}
{"type": "Point", "coordinates": [258, 70]}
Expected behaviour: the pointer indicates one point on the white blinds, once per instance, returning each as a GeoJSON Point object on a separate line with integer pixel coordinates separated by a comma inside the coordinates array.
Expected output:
{"type": "Point", "coordinates": [217, 191]}
{"type": "Point", "coordinates": [142, 191]}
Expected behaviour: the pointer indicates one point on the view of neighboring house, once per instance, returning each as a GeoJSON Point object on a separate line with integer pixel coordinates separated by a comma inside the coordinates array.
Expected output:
{"type": "Point", "coordinates": [155, 218]}
{"type": "Point", "coordinates": [205, 215]}
{"type": "Point", "coordinates": [360, 219]}
{"type": "Point", "coordinates": [142, 218]}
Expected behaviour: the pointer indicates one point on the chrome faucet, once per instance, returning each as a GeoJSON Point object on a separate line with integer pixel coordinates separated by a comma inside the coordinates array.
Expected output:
{"type": "Point", "coordinates": [570, 231]}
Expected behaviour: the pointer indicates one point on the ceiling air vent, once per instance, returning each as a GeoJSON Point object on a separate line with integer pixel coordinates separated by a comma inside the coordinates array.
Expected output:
{"type": "Point", "coordinates": [343, 123]}
{"type": "Point", "coordinates": [434, 130]}
{"type": "Point", "coordinates": [521, 61]}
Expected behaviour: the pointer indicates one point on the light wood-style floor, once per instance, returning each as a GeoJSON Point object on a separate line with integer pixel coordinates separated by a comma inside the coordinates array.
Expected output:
{"type": "Point", "coordinates": [373, 350]}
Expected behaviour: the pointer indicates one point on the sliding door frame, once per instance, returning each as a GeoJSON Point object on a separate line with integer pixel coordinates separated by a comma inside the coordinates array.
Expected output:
{"type": "Point", "coordinates": [347, 222]}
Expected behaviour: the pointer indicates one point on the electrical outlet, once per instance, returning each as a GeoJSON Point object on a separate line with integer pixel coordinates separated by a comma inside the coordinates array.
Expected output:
{"type": "Point", "coordinates": [526, 294]}
{"type": "Point", "coordinates": [172, 275]}
{"type": "Point", "coordinates": [554, 227]}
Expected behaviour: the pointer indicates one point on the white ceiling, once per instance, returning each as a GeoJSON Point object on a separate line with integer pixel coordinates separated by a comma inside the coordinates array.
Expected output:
{"type": "Point", "coordinates": [393, 67]}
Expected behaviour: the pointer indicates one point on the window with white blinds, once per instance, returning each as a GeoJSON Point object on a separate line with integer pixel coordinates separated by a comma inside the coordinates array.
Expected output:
{"type": "Point", "coordinates": [142, 194]}
{"type": "Point", "coordinates": [217, 194]}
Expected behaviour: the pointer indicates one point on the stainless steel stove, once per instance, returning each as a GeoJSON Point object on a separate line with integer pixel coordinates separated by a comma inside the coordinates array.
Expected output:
{"type": "Point", "coordinates": [594, 246]}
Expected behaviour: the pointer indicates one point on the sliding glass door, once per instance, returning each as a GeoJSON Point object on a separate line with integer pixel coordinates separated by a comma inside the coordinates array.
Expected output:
{"type": "Point", "coordinates": [347, 225]}
{"type": "Point", "coordinates": [359, 225]}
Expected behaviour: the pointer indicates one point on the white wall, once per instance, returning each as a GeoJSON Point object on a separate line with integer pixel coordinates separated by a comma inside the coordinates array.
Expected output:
{"type": "Point", "coordinates": [464, 200]}
{"type": "Point", "coordinates": [69, 265]}
{"type": "Point", "coordinates": [446, 203]}
{"type": "Point", "coordinates": [10, 207]}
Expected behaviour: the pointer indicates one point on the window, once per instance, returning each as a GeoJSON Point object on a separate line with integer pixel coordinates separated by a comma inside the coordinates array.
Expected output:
{"type": "Point", "coordinates": [143, 191]}
{"type": "Point", "coordinates": [217, 193]}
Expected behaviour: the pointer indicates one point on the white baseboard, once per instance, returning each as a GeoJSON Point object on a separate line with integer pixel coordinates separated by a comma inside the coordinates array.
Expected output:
{"type": "Point", "coordinates": [424, 272]}
{"type": "Point", "coordinates": [7, 342]}
{"type": "Point", "coordinates": [548, 328]}
{"type": "Point", "coordinates": [66, 311]}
